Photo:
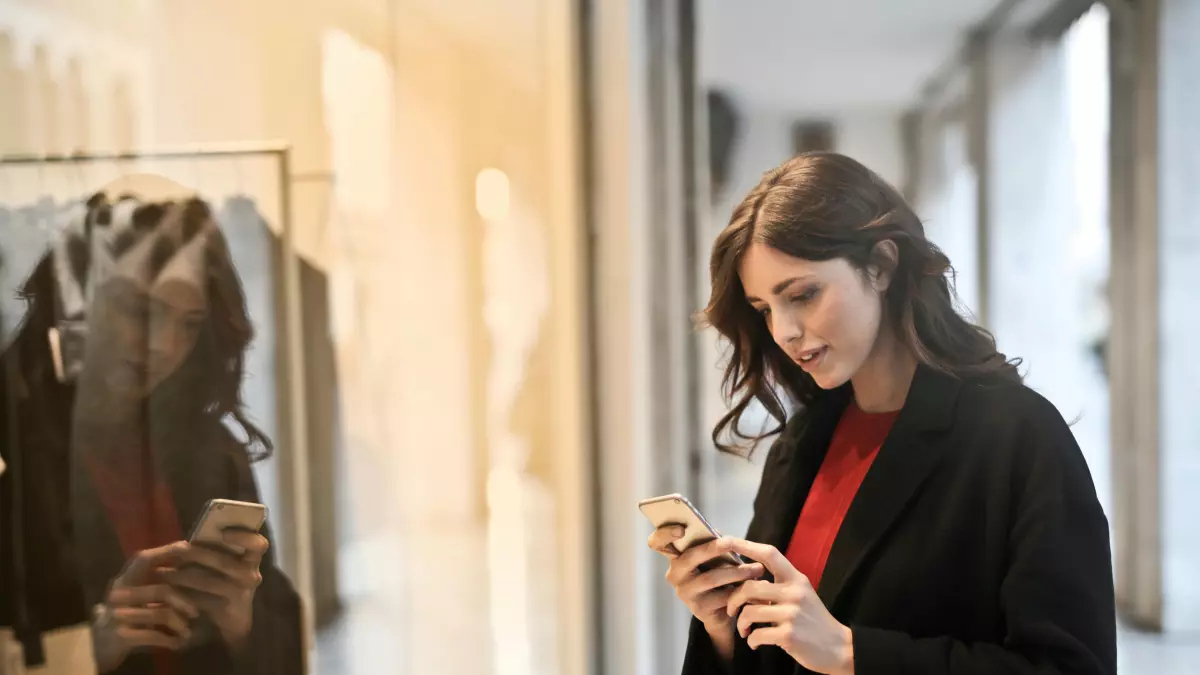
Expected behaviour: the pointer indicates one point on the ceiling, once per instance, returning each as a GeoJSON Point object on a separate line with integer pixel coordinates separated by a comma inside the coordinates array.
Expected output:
{"type": "Point", "coordinates": [825, 56]}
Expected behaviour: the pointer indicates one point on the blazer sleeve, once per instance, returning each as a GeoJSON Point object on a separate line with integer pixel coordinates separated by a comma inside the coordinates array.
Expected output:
{"type": "Point", "coordinates": [1057, 593]}
{"type": "Point", "coordinates": [701, 657]}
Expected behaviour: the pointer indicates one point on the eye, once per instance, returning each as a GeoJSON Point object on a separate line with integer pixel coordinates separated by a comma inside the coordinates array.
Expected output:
{"type": "Point", "coordinates": [765, 310]}
{"type": "Point", "coordinates": [132, 308]}
{"type": "Point", "coordinates": [807, 296]}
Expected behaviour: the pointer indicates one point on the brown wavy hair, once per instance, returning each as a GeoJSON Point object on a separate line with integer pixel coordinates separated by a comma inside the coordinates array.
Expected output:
{"type": "Point", "coordinates": [823, 206]}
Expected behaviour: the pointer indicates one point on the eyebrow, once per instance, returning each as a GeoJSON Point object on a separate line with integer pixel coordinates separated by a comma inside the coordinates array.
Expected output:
{"type": "Point", "coordinates": [779, 287]}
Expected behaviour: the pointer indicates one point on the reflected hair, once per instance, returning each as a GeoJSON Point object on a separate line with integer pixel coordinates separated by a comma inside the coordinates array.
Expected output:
{"type": "Point", "coordinates": [823, 206]}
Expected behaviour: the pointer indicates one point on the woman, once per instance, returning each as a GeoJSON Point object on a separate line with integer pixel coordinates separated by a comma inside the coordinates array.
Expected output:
{"type": "Point", "coordinates": [120, 459]}
{"type": "Point", "coordinates": [922, 511]}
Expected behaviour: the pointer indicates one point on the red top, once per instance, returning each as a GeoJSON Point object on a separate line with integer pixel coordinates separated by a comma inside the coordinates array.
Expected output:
{"type": "Point", "coordinates": [141, 508]}
{"type": "Point", "coordinates": [855, 443]}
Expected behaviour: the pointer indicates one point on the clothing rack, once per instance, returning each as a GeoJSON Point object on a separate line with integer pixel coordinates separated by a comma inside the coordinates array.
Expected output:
{"type": "Point", "coordinates": [293, 464]}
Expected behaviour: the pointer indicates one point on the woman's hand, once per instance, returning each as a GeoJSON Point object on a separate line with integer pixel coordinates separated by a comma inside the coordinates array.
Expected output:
{"type": "Point", "coordinates": [222, 582]}
{"type": "Point", "coordinates": [706, 593]}
{"type": "Point", "coordinates": [795, 618]}
{"type": "Point", "coordinates": [140, 611]}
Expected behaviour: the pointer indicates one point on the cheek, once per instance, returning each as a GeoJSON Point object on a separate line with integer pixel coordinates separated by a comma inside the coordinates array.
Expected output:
{"type": "Point", "coordinates": [128, 332]}
{"type": "Point", "coordinates": [848, 322]}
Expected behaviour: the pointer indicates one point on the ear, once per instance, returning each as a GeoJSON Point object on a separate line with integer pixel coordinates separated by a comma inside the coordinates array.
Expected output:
{"type": "Point", "coordinates": [886, 257]}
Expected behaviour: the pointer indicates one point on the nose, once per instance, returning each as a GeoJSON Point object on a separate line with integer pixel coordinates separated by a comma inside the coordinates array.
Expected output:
{"type": "Point", "coordinates": [165, 338]}
{"type": "Point", "coordinates": [785, 327]}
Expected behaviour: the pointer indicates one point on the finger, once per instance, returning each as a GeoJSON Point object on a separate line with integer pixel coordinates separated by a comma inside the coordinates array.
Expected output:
{"type": "Point", "coordinates": [251, 545]}
{"type": "Point", "coordinates": [768, 614]}
{"type": "Point", "coordinates": [158, 594]}
{"type": "Point", "coordinates": [722, 576]}
{"type": "Point", "coordinates": [713, 603]}
{"type": "Point", "coordinates": [668, 551]}
{"type": "Point", "coordinates": [664, 536]}
{"type": "Point", "coordinates": [242, 570]}
{"type": "Point", "coordinates": [761, 592]}
{"type": "Point", "coordinates": [769, 635]}
{"type": "Point", "coordinates": [218, 560]}
{"type": "Point", "coordinates": [776, 562]}
{"type": "Point", "coordinates": [697, 555]}
{"type": "Point", "coordinates": [163, 616]}
{"type": "Point", "coordinates": [144, 637]}
{"type": "Point", "coordinates": [140, 567]}
{"type": "Point", "coordinates": [202, 581]}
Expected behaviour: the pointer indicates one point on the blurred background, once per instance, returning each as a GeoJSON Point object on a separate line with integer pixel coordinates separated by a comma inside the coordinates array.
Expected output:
{"type": "Point", "coordinates": [482, 229]}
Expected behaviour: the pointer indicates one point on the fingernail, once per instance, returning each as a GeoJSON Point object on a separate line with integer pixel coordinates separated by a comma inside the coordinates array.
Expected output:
{"type": "Point", "coordinates": [677, 530]}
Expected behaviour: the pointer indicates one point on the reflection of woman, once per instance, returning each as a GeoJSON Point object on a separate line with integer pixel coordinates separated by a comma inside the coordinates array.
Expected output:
{"type": "Point", "coordinates": [923, 512]}
{"type": "Point", "coordinates": [149, 443]}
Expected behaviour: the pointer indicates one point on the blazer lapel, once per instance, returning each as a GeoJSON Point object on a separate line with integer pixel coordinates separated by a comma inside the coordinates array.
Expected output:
{"type": "Point", "coordinates": [786, 485]}
{"type": "Point", "coordinates": [902, 465]}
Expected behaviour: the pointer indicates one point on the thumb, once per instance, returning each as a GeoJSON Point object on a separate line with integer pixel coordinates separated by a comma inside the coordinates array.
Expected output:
{"type": "Point", "coordinates": [776, 563]}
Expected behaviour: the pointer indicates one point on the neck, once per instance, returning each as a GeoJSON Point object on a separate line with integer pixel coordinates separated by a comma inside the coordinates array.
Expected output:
{"type": "Point", "coordinates": [881, 384]}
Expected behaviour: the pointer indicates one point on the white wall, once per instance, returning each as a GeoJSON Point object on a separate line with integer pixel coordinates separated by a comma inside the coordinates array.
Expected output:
{"type": "Point", "coordinates": [1179, 312]}
{"type": "Point", "coordinates": [873, 138]}
{"type": "Point", "coordinates": [1048, 238]}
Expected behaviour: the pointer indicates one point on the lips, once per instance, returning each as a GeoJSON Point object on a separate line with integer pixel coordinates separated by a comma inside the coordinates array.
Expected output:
{"type": "Point", "coordinates": [811, 358]}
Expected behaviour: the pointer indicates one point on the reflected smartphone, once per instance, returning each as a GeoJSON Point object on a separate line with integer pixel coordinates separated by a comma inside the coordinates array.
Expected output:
{"type": "Point", "coordinates": [224, 514]}
{"type": "Point", "coordinates": [675, 509]}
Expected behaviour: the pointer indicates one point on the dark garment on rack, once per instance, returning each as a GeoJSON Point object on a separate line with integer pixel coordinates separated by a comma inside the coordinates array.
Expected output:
{"type": "Point", "coordinates": [39, 580]}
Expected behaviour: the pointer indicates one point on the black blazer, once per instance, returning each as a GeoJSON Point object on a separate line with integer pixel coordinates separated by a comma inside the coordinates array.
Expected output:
{"type": "Point", "coordinates": [976, 544]}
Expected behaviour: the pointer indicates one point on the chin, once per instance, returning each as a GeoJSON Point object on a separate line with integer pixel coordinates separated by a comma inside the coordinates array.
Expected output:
{"type": "Point", "coordinates": [831, 379]}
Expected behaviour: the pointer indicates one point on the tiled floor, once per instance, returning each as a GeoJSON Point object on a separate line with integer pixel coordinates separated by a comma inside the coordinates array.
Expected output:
{"type": "Point", "coordinates": [1142, 654]}
{"type": "Point", "coordinates": [376, 637]}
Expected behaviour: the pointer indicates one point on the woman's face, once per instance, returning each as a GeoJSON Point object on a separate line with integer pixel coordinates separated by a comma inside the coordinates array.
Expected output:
{"type": "Point", "coordinates": [147, 331]}
{"type": "Point", "coordinates": [825, 315]}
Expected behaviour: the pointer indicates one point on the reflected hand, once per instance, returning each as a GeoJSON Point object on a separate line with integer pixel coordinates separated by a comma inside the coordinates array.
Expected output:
{"type": "Point", "coordinates": [222, 582]}
{"type": "Point", "coordinates": [140, 612]}
{"type": "Point", "coordinates": [790, 615]}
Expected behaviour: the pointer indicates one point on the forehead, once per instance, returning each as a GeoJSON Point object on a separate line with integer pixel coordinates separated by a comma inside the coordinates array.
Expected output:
{"type": "Point", "coordinates": [182, 295]}
{"type": "Point", "coordinates": [762, 267]}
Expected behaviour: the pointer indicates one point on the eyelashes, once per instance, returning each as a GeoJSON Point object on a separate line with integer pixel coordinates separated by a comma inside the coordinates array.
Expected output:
{"type": "Point", "coordinates": [803, 298]}
{"type": "Point", "coordinates": [807, 296]}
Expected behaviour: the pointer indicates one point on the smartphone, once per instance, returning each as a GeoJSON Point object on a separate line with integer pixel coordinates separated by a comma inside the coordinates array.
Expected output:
{"type": "Point", "coordinates": [224, 514]}
{"type": "Point", "coordinates": [675, 509]}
